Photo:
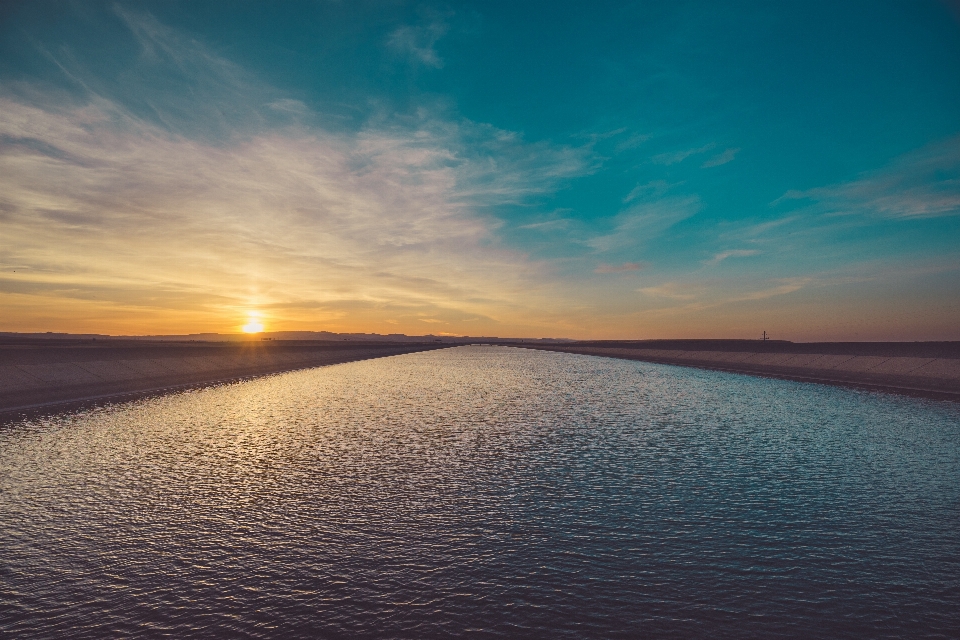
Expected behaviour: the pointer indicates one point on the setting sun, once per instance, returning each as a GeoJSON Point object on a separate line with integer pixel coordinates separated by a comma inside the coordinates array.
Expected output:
{"type": "Point", "coordinates": [253, 324]}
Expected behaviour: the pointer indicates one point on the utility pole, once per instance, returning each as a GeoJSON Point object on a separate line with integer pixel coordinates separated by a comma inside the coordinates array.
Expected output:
{"type": "Point", "coordinates": [765, 336]}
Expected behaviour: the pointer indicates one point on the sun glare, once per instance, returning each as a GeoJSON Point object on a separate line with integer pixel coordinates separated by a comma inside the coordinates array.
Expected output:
{"type": "Point", "coordinates": [253, 324]}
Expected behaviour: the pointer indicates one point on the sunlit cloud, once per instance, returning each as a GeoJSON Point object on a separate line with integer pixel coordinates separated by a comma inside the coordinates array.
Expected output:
{"type": "Point", "coordinates": [699, 295]}
{"type": "Point", "coordinates": [377, 216]}
{"type": "Point", "coordinates": [672, 290]}
{"type": "Point", "coordinates": [103, 202]}
{"type": "Point", "coordinates": [781, 287]}
{"type": "Point", "coordinates": [733, 253]}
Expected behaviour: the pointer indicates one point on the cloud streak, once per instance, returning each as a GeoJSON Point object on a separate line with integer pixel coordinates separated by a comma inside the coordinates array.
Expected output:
{"type": "Point", "coordinates": [922, 184]}
{"type": "Point", "coordinates": [652, 189]}
{"type": "Point", "coordinates": [675, 157]}
{"type": "Point", "coordinates": [702, 295]}
{"type": "Point", "coordinates": [721, 158]}
{"type": "Point", "coordinates": [641, 223]}
{"type": "Point", "coordinates": [734, 253]}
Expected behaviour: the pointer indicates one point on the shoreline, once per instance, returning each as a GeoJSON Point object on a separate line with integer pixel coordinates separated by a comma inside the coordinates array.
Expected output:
{"type": "Point", "coordinates": [52, 377]}
{"type": "Point", "coordinates": [929, 370]}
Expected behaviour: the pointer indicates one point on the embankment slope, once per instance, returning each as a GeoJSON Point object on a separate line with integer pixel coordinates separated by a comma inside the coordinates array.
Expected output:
{"type": "Point", "coordinates": [36, 374]}
{"type": "Point", "coordinates": [930, 369]}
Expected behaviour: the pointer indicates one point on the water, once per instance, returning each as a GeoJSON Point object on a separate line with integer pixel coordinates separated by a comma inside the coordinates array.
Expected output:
{"type": "Point", "coordinates": [490, 492]}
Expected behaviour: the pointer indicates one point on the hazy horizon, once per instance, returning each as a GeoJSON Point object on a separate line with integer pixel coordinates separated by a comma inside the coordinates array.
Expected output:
{"type": "Point", "coordinates": [621, 171]}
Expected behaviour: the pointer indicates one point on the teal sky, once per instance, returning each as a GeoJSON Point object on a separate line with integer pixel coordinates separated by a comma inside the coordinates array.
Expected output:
{"type": "Point", "coordinates": [617, 170]}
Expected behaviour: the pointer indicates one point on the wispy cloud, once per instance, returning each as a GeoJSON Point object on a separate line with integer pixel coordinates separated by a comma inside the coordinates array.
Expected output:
{"type": "Point", "coordinates": [641, 223]}
{"type": "Point", "coordinates": [418, 41]}
{"type": "Point", "coordinates": [289, 106]}
{"type": "Point", "coordinates": [632, 142]}
{"type": "Point", "coordinates": [781, 287]}
{"type": "Point", "coordinates": [179, 84]}
{"type": "Point", "coordinates": [558, 224]}
{"type": "Point", "coordinates": [700, 295]}
{"type": "Point", "coordinates": [674, 157]}
{"type": "Point", "coordinates": [672, 290]}
{"type": "Point", "coordinates": [758, 229]}
{"type": "Point", "coordinates": [652, 189]}
{"type": "Point", "coordinates": [721, 158]}
{"type": "Point", "coordinates": [922, 184]}
{"type": "Point", "coordinates": [142, 222]}
{"type": "Point", "coordinates": [734, 253]}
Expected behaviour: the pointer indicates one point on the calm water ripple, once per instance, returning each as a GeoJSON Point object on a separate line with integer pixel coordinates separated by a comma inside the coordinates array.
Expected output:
{"type": "Point", "coordinates": [486, 491]}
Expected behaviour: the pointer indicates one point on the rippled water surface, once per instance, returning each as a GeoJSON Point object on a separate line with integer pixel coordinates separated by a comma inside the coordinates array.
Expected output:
{"type": "Point", "coordinates": [486, 491]}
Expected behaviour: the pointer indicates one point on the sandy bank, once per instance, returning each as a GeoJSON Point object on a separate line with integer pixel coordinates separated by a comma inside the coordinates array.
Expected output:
{"type": "Point", "coordinates": [928, 369]}
{"type": "Point", "coordinates": [38, 375]}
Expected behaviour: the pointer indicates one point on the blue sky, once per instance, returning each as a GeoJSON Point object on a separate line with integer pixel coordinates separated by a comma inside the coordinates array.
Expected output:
{"type": "Point", "coordinates": [615, 170]}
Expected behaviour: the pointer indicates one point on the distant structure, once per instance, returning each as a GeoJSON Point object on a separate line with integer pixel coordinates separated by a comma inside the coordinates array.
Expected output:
{"type": "Point", "coordinates": [765, 336]}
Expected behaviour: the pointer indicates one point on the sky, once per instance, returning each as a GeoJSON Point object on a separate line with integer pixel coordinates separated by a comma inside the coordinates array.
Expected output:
{"type": "Point", "coordinates": [610, 170]}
